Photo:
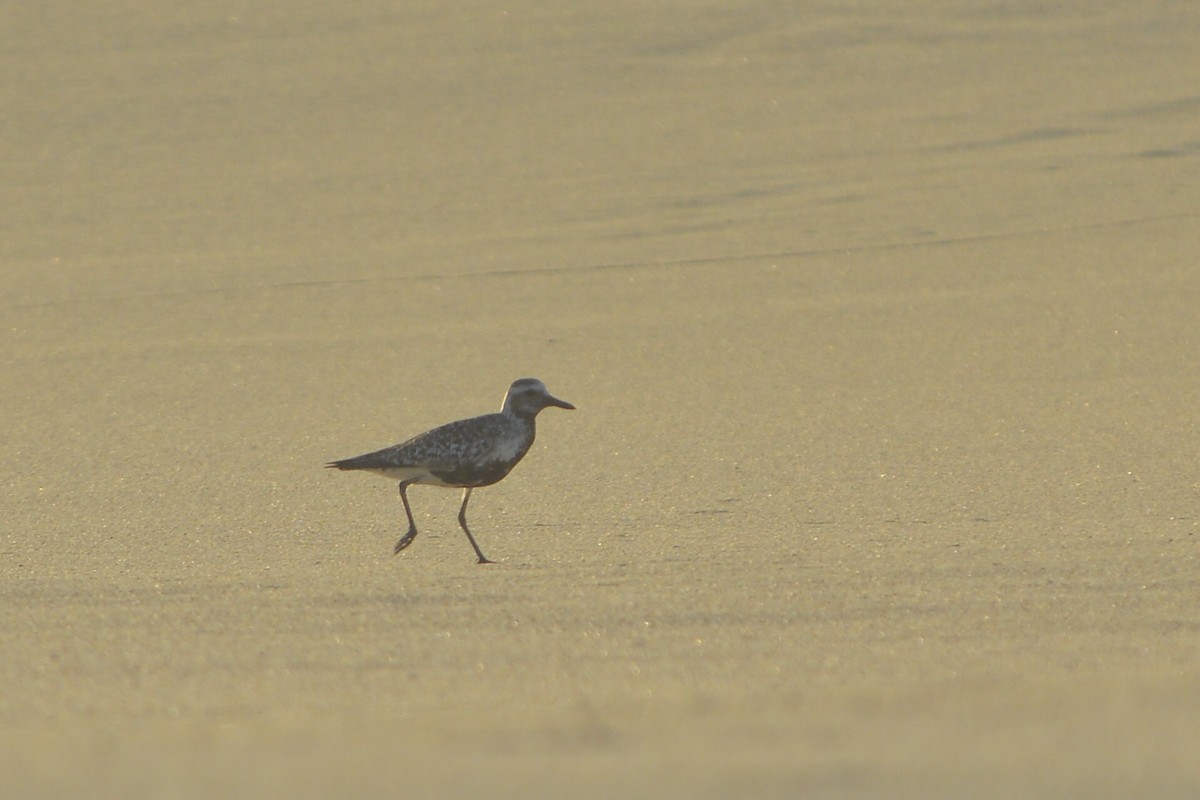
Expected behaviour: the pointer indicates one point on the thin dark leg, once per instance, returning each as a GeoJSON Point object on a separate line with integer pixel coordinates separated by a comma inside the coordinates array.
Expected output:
{"type": "Point", "coordinates": [462, 520]}
{"type": "Point", "coordinates": [406, 540]}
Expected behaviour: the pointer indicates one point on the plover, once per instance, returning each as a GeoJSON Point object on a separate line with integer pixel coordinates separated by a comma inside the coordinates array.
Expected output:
{"type": "Point", "coordinates": [465, 454]}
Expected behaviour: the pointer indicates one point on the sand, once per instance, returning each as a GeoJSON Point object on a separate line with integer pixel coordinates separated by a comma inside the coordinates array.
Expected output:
{"type": "Point", "coordinates": [881, 321]}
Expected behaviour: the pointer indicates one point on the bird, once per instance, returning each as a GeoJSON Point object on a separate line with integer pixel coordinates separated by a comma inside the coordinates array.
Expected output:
{"type": "Point", "coordinates": [465, 454]}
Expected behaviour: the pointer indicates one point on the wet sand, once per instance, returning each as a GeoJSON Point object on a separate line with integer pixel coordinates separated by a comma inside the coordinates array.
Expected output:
{"type": "Point", "coordinates": [882, 329]}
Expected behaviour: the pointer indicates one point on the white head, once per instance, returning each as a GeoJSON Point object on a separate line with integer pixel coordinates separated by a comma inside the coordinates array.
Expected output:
{"type": "Point", "coordinates": [527, 396]}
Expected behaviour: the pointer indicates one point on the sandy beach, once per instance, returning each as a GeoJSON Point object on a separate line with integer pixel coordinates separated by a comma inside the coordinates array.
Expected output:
{"type": "Point", "coordinates": [881, 322]}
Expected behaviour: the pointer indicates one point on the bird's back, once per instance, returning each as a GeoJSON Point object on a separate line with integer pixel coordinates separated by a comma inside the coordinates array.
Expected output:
{"type": "Point", "coordinates": [469, 452]}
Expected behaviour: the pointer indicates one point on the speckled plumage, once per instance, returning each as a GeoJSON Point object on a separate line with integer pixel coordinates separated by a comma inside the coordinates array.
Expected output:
{"type": "Point", "coordinates": [465, 454]}
{"type": "Point", "coordinates": [470, 452]}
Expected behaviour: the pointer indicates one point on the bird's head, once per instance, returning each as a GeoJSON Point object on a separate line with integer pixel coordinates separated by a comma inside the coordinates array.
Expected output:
{"type": "Point", "coordinates": [527, 396]}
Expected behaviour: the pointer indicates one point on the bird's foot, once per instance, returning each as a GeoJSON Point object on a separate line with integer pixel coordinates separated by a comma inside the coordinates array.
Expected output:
{"type": "Point", "coordinates": [405, 541]}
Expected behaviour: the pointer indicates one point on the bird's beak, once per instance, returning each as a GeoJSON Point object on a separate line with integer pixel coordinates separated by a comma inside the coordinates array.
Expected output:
{"type": "Point", "coordinates": [551, 400]}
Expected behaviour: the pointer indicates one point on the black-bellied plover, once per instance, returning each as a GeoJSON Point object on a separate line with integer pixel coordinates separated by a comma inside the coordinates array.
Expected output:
{"type": "Point", "coordinates": [465, 454]}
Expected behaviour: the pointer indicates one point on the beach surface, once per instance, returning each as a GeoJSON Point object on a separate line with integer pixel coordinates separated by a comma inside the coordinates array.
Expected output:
{"type": "Point", "coordinates": [882, 325]}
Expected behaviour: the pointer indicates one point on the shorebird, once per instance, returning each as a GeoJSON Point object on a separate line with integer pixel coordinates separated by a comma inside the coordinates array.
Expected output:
{"type": "Point", "coordinates": [465, 454]}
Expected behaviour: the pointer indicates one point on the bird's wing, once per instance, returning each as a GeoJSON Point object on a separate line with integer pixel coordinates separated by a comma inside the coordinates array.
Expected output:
{"type": "Point", "coordinates": [451, 445]}
{"type": "Point", "coordinates": [442, 449]}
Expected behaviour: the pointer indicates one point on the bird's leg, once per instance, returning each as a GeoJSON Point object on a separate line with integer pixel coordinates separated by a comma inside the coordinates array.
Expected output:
{"type": "Point", "coordinates": [462, 520]}
{"type": "Point", "coordinates": [406, 540]}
